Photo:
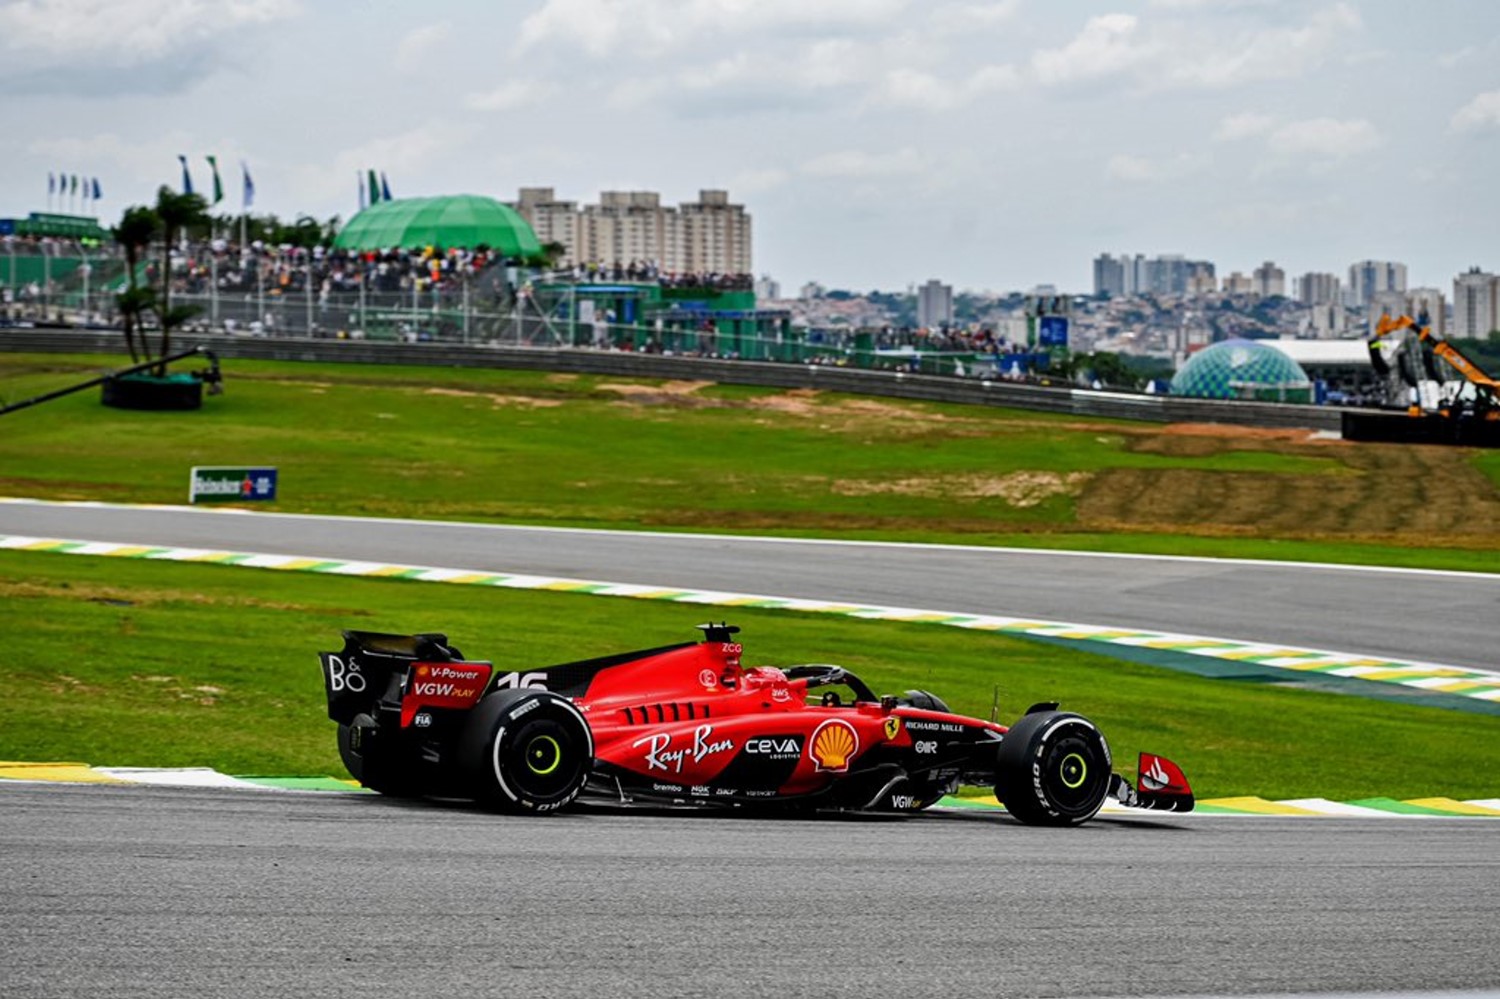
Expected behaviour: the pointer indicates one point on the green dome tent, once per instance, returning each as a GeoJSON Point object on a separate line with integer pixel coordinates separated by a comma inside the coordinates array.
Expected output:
{"type": "Point", "coordinates": [464, 220]}
{"type": "Point", "coordinates": [1242, 369]}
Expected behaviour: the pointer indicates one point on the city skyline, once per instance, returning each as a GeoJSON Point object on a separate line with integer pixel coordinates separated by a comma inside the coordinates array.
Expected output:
{"type": "Point", "coordinates": [877, 143]}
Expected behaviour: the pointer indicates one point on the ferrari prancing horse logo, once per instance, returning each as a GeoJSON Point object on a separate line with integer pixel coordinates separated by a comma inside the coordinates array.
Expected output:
{"type": "Point", "coordinates": [892, 726]}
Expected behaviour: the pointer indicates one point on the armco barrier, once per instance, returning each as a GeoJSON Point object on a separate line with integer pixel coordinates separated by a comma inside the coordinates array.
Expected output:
{"type": "Point", "coordinates": [895, 384]}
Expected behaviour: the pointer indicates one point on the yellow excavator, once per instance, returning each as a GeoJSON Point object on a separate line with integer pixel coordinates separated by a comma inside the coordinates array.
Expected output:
{"type": "Point", "coordinates": [1440, 409]}
{"type": "Point", "coordinates": [1485, 394]}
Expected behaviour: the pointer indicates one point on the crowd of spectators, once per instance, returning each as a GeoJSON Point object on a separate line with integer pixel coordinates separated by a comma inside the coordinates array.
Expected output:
{"type": "Point", "coordinates": [648, 271]}
{"type": "Point", "coordinates": [286, 270]}
{"type": "Point", "coordinates": [53, 246]}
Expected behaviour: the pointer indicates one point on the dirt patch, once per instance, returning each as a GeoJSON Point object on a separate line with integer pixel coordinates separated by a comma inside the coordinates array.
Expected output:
{"type": "Point", "coordinates": [796, 402]}
{"type": "Point", "coordinates": [1197, 440]}
{"type": "Point", "coordinates": [890, 411]}
{"type": "Point", "coordinates": [496, 399]}
{"type": "Point", "coordinates": [51, 488]}
{"type": "Point", "coordinates": [676, 388]}
{"type": "Point", "coordinates": [1018, 489]}
{"type": "Point", "coordinates": [115, 596]}
{"type": "Point", "coordinates": [1411, 495]}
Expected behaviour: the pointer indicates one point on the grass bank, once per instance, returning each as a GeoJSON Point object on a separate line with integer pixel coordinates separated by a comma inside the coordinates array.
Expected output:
{"type": "Point", "coordinates": [571, 450]}
{"type": "Point", "coordinates": [159, 664]}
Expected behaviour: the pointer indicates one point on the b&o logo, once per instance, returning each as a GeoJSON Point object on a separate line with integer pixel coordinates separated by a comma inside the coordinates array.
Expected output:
{"type": "Point", "coordinates": [343, 677]}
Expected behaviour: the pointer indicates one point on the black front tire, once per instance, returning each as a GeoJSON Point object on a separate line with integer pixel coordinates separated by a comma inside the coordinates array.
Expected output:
{"type": "Point", "coordinates": [526, 751]}
{"type": "Point", "coordinates": [1053, 769]}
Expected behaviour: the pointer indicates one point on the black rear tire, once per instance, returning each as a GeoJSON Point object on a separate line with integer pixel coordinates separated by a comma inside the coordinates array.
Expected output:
{"type": "Point", "coordinates": [1053, 769]}
{"type": "Point", "coordinates": [375, 765]}
{"type": "Point", "coordinates": [526, 751]}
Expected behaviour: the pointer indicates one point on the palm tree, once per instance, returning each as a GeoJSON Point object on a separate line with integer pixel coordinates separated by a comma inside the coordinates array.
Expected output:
{"type": "Point", "coordinates": [134, 233]}
{"type": "Point", "coordinates": [178, 212]}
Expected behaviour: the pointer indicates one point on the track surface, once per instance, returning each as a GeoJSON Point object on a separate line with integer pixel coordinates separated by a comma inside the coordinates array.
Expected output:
{"type": "Point", "coordinates": [162, 892]}
{"type": "Point", "coordinates": [1423, 616]}
{"type": "Point", "coordinates": [159, 892]}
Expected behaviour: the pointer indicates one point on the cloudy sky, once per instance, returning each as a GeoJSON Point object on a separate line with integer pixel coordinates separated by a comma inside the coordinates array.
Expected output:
{"type": "Point", "coordinates": [877, 143]}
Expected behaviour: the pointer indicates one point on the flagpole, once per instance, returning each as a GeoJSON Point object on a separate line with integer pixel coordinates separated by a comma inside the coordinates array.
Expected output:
{"type": "Point", "coordinates": [213, 274]}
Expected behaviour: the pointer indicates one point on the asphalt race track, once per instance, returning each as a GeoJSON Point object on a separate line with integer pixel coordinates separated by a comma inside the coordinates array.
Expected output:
{"type": "Point", "coordinates": [1424, 616]}
{"type": "Point", "coordinates": [142, 891]}
{"type": "Point", "coordinates": [165, 892]}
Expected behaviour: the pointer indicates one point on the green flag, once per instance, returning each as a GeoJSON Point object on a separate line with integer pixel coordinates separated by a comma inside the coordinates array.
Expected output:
{"type": "Point", "coordinates": [213, 162]}
{"type": "Point", "coordinates": [374, 188]}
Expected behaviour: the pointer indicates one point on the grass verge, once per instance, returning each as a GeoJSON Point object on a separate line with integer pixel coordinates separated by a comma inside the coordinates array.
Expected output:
{"type": "Point", "coordinates": [167, 664]}
{"type": "Point", "coordinates": [534, 447]}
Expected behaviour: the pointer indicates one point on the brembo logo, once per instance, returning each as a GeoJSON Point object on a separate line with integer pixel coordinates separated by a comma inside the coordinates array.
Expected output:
{"type": "Point", "coordinates": [834, 743]}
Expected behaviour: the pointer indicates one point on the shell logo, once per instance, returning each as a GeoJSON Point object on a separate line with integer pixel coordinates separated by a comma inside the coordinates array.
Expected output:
{"type": "Point", "coordinates": [422, 671]}
{"type": "Point", "coordinates": [833, 745]}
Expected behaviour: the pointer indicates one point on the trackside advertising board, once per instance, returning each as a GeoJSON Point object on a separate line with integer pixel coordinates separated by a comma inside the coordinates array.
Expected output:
{"type": "Point", "coordinates": [231, 484]}
{"type": "Point", "coordinates": [1053, 331]}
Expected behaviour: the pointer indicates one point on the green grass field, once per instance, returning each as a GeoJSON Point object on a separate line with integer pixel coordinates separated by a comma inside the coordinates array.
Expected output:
{"type": "Point", "coordinates": [129, 663]}
{"type": "Point", "coordinates": [586, 451]}
{"type": "Point", "coordinates": [155, 664]}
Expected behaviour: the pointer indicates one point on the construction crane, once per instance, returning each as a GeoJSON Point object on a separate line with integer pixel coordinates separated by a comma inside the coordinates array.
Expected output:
{"type": "Point", "coordinates": [1410, 348]}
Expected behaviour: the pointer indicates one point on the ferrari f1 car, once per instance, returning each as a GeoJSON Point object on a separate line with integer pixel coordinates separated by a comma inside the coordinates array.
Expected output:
{"type": "Point", "coordinates": [688, 724]}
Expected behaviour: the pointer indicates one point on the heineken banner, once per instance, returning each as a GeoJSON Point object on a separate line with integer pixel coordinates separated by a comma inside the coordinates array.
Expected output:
{"type": "Point", "coordinates": [226, 484]}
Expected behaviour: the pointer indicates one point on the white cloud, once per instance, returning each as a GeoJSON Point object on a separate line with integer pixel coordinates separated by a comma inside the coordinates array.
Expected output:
{"type": "Point", "coordinates": [404, 157]}
{"type": "Point", "coordinates": [413, 51]}
{"type": "Point", "coordinates": [1268, 54]}
{"type": "Point", "coordinates": [856, 164]}
{"type": "Point", "coordinates": [918, 89]}
{"type": "Point", "coordinates": [756, 181]}
{"type": "Point", "coordinates": [1481, 112]}
{"type": "Point", "coordinates": [114, 47]}
{"type": "Point", "coordinates": [508, 96]}
{"type": "Point", "coordinates": [1142, 170]}
{"type": "Point", "coordinates": [1243, 126]}
{"type": "Point", "coordinates": [124, 32]}
{"type": "Point", "coordinates": [1108, 44]}
{"type": "Point", "coordinates": [652, 27]}
{"type": "Point", "coordinates": [726, 58]}
{"type": "Point", "coordinates": [147, 160]}
{"type": "Point", "coordinates": [1194, 52]}
{"type": "Point", "coordinates": [968, 17]}
{"type": "Point", "coordinates": [1450, 59]}
{"type": "Point", "coordinates": [1323, 139]}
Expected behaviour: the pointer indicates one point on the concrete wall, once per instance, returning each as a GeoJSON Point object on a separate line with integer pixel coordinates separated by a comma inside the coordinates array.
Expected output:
{"type": "Point", "coordinates": [900, 385]}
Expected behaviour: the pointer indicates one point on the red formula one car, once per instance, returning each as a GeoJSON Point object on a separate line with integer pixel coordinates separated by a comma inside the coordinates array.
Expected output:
{"type": "Point", "coordinates": [689, 724]}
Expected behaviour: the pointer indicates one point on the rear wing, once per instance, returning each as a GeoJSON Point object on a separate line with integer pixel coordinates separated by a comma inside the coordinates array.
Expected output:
{"type": "Point", "coordinates": [372, 667]}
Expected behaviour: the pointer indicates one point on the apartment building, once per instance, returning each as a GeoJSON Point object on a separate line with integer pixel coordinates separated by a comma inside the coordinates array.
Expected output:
{"type": "Point", "coordinates": [1268, 280]}
{"type": "Point", "coordinates": [1236, 283]}
{"type": "Point", "coordinates": [1168, 274]}
{"type": "Point", "coordinates": [710, 235]}
{"type": "Point", "coordinates": [1474, 304]}
{"type": "Point", "coordinates": [1315, 288]}
{"type": "Point", "coordinates": [1431, 303]}
{"type": "Point", "coordinates": [552, 220]}
{"type": "Point", "coordinates": [1370, 277]}
{"type": "Point", "coordinates": [934, 304]}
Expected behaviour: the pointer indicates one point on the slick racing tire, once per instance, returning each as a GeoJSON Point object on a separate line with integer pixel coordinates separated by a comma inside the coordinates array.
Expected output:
{"type": "Point", "coordinates": [1053, 769]}
{"type": "Point", "coordinates": [526, 751]}
{"type": "Point", "coordinates": [373, 764]}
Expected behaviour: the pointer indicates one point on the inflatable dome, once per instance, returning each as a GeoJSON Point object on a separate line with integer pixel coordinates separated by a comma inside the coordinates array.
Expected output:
{"type": "Point", "coordinates": [1242, 369]}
